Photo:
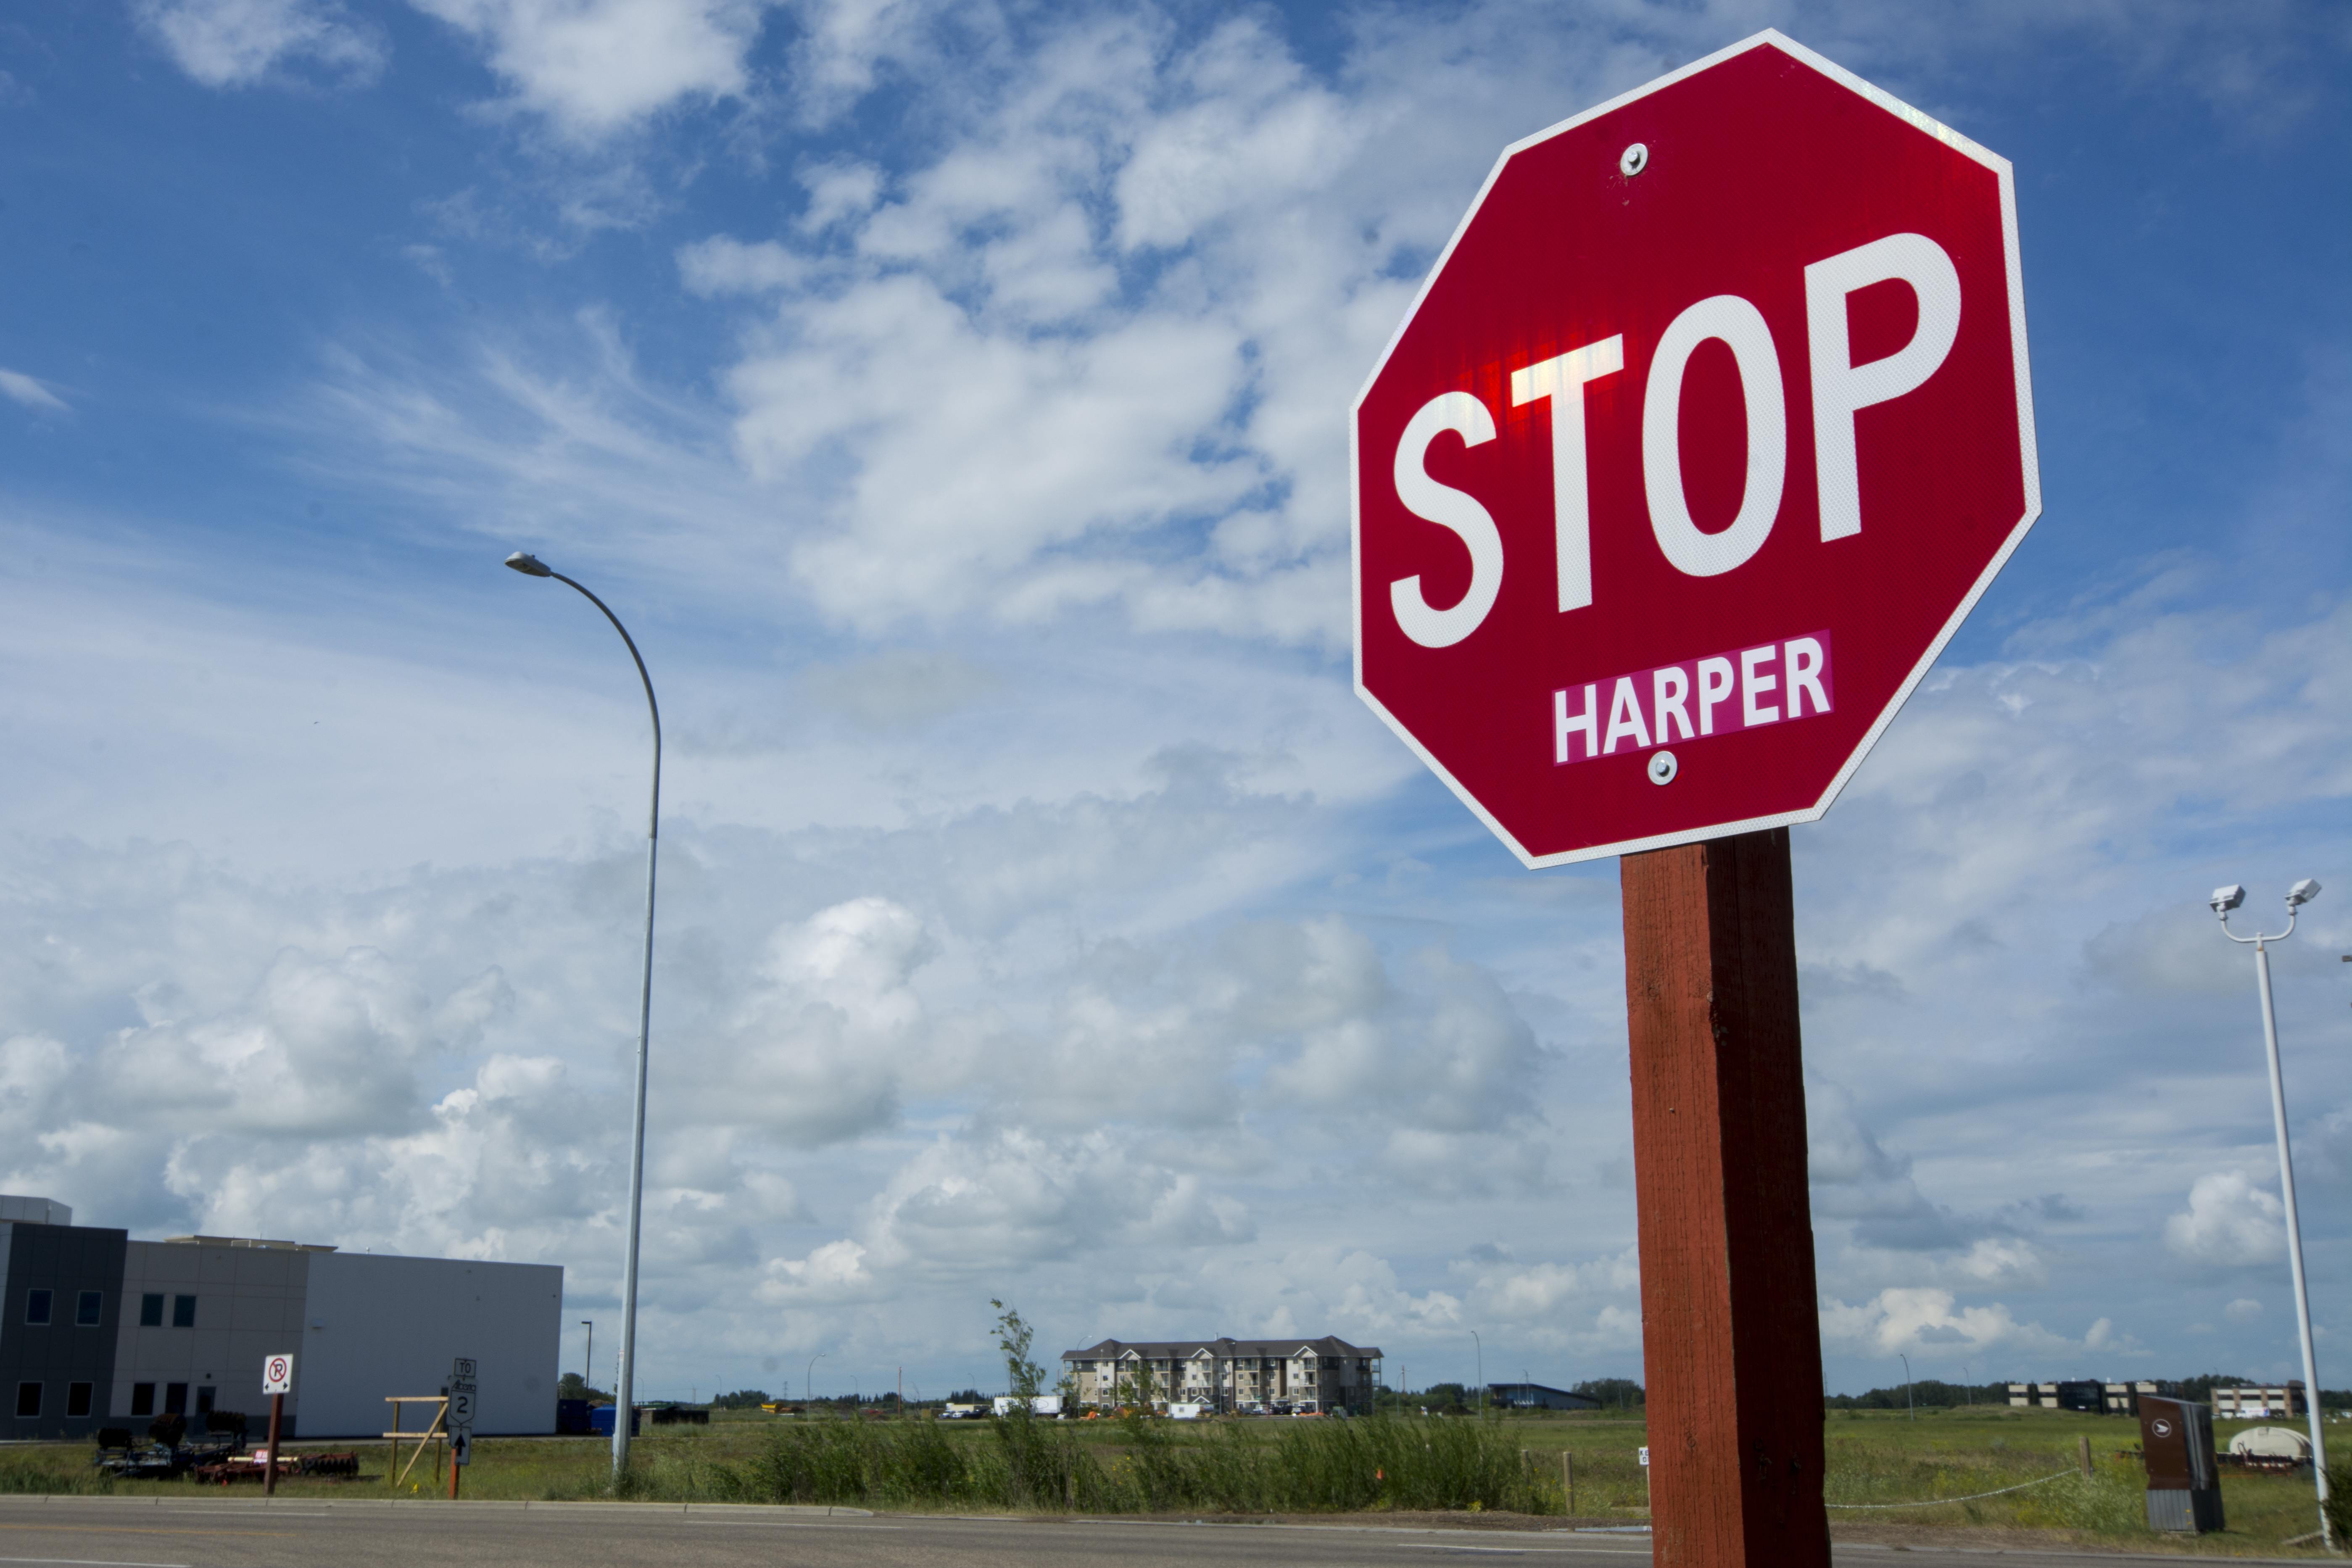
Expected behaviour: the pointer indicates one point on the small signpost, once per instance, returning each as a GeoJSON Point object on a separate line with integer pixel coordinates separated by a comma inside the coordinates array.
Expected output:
{"type": "Point", "coordinates": [1710, 426]}
{"type": "Point", "coordinates": [277, 1381]}
{"type": "Point", "coordinates": [461, 1417]}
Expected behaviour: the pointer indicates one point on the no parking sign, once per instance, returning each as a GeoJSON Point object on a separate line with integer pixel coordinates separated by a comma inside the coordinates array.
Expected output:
{"type": "Point", "coordinates": [277, 1375]}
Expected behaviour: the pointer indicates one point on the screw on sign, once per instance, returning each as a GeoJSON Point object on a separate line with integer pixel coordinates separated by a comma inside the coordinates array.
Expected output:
{"type": "Point", "coordinates": [1708, 427]}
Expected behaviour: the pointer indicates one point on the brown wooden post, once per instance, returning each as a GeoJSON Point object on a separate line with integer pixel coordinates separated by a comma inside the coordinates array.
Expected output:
{"type": "Point", "coordinates": [1730, 1328]}
{"type": "Point", "coordinates": [277, 1411]}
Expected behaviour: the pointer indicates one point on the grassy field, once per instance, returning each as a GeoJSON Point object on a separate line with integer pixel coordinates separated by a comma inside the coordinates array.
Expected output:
{"type": "Point", "coordinates": [1521, 1465]}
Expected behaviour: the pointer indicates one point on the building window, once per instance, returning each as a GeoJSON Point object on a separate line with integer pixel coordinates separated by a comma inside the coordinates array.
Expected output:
{"type": "Point", "coordinates": [87, 1309]}
{"type": "Point", "coordinates": [183, 1311]}
{"type": "Point", "coordinates": [151, 1310]}
{"type": "Point", "coordinates": [175, 1399]}
{"type": "Point", "coordinates": [142, 1399]}
{"type": "Point", "coordinates": [77, 1398]}
{"type": "Point", "coordinates": [29, 1400]}
{"type": "Point", "coordinates": [36, 1307]}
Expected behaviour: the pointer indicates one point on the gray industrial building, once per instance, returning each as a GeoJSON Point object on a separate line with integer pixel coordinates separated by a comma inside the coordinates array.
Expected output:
{"type": "Point", "coordinates": [97, 1330]}
{"type": "Point", "coordinates": [1536, 1396]}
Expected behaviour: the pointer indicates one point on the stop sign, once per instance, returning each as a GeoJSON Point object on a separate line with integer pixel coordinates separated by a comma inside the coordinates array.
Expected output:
{"type": "Point", "coordinates": [1707, 428]}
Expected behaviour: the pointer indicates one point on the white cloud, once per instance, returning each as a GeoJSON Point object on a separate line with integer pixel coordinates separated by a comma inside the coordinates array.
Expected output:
{"type": "Point", "coordinates": [1914, 1320]}
{"type": "Point", "coordinates": [22, 388]}
{"type": "Point", "coordinates": [2229, 1222]}
{"type": "Point", "coordinates": [722, 266]}
{"type": "Point", "coordinates": [241, 43]}
{"type": "Point", "coordinates": [595, 67]}
{"type": "Point", "coordinates": [2244, 1309]}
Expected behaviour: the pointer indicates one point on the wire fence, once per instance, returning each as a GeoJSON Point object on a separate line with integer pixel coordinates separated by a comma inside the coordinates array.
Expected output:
{"type": "Point", "coordinates": [1940, 1502]}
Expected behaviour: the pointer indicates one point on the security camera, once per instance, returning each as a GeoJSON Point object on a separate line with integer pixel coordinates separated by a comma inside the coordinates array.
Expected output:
{"type": "Point", "coordinates": [2224, 900]}
{"type": "Point", "coordinates": [2303, 892]}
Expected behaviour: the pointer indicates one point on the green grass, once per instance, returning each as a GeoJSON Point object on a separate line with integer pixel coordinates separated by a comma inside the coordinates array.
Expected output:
{"type": "Point", "coordinates": [1271, 1466]}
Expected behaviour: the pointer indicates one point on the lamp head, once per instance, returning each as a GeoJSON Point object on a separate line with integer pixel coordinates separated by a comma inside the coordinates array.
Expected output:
{"type": "Point", "coordinates": [2303, 892]}
{"type": "Point", "coordinates": [2223, 900]}
{"type": "Point", "coordinates": [529, 565]}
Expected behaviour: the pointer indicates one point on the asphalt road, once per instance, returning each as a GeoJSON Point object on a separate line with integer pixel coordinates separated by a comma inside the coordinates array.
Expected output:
{"type": "Point", "coordinates": [96, 1533]}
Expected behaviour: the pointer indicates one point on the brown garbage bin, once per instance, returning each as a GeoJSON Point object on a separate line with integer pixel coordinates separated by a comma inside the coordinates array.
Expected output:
{"type": "Point", "coordinates": [2184, 1485]}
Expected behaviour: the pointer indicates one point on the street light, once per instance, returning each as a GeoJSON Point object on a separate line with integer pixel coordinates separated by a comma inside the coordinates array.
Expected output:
{"type": "Point", "coordinates": [532, 566]}
{"type": "Point", "coordinates": [587, 1358]}
{"type": "Point", "coordinates": [808, 1383]}
{"type": "Point", "coordinates": [2223, 900]}
{"type": "Point", "coordinates": [1914, 1409]}
{"type": "Point", "coordinates": [1481, 1370]}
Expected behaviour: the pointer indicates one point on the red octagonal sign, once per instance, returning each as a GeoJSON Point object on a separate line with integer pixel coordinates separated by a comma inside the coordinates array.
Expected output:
{"type": "Point", "coordinates": [1707, 428]}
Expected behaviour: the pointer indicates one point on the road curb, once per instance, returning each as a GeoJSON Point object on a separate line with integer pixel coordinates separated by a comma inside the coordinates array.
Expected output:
{"type": "Point", "coordinates": [308, 1504]}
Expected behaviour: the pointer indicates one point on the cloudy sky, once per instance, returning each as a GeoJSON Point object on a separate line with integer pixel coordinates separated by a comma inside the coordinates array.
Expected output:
{"type": "Point", "coordinates": [951, 395]}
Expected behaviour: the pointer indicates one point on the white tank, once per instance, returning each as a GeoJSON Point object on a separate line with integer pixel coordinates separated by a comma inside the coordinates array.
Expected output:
{"type": "Point", "coordinates": [2272, 1442]}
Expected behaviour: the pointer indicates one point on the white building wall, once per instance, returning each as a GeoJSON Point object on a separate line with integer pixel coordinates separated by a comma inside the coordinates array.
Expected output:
{"type": "Point", "coordinates": [378, 1326]}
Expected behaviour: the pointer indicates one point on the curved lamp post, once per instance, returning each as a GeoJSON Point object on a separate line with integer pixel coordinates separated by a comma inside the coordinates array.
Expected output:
{"type": "Point", "coordinates": [808, 1383]}
{"type": "Point", "coordinates": [2223, 900]}
{"type": "Point", "coordinates": [624, 1404]}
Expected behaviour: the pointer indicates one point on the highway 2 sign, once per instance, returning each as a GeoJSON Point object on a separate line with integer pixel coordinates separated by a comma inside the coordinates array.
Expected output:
{"type": "Point", "coordinates": [277, 1375]}
{"type": "Point", "coordinates": [461, 1397]}
{"type": "Point", "coordinates": [1706, 432]}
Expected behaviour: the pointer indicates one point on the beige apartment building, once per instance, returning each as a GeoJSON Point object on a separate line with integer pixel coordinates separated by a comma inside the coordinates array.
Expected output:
{"type": "Point", "coordinates": [1228, 1376]}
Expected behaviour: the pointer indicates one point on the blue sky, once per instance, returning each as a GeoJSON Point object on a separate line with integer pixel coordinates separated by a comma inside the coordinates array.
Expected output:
{"type": "Point", "coordinates": [952, 396]}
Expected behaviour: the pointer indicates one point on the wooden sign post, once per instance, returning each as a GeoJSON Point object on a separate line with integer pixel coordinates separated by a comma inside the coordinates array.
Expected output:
{"type": "Point", "coordinates": [277, 1381]}
{"type": "Point", "coordinates": [1729, 1317]}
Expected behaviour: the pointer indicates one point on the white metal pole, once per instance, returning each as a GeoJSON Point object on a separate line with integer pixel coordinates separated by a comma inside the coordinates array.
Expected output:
{"type": "Point", "coordinates": [2293, 1242]}
{"type": "Point", "coordinates": [625, 1381]}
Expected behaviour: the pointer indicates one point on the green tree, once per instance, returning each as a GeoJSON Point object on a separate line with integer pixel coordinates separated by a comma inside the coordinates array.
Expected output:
{"type": "Point", "coordinates": [1013, 1337]}
{"type": "Point", "coordinates": [1618, 1392]}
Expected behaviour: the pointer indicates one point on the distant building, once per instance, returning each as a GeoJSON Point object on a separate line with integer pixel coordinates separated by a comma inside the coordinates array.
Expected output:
{"type": "Point", "coordinates": [97, 1330]}
{"type": "Point", "coordinates": [2085, 1395]}
{"type": "Point", "coordinates": [1227, 1374]}
{"type": "Point", "coordinates": [1536, 1396]}
{"type": "Point", "coordinates": [2088, 1397]}
{"type": "Point", "coordinates": [2123, 1399]}
{"type": "Point", "coordinates": [2275, 1401]}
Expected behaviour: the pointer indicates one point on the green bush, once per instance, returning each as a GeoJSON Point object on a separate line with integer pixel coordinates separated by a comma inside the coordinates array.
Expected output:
{"type": "Point", "coordinates": [2339, 1503]}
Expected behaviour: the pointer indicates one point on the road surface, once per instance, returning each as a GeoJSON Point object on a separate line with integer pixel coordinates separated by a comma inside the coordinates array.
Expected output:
{"type": "Point", "coordinates": [106, 1533]}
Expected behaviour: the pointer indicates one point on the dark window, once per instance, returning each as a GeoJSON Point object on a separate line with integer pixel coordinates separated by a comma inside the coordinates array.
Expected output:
{"type": "Point", "coordinates": [77, 1398]}
{"type": "Point", "coordinates": [183, 1311]}
{"type": "Point", "coordinates": [175, 1399]}
{"type": "Point", "coordinates": [205, 1399]}
{"type": "Point", "coordinates": [37, 1307]}
{"type": "Point", "coordinates": [142, 1399]}
{"type": "Point", "coordinates": [86, 1309]}
{"type": "Point", "coordinates": [150, 1310]}
{"type": "Point", "coordinates": [29, 1399]}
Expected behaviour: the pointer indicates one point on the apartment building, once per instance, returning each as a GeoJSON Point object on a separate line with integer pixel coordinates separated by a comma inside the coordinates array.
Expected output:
{"type": "Point", "coordinates": [1226, 1374]}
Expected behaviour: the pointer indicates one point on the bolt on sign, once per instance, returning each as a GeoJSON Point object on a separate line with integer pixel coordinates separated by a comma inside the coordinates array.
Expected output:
{"type": "Point", "coordinates": [1707, 429]}
{"type": "Point", "coordinates": [1706, 432]}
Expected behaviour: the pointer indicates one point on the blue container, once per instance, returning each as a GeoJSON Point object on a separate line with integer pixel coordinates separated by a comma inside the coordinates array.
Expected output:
{"type": "Point", "coordinates": [600, 1420]}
